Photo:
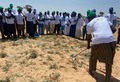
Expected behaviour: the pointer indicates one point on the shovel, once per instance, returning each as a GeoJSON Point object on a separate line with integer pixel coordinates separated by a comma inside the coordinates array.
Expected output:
{"type": "Point", "coordinates": [73, 56]}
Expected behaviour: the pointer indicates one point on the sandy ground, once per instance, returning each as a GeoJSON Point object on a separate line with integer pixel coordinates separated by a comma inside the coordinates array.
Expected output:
{"type": "Point", "coordinates": [47, 59]}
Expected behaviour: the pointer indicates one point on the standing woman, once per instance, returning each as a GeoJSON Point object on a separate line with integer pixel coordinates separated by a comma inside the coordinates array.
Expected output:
{"type": "Point", "coordinates": [10, 24]}
{"type": "Point", "coordinates": [20, 22]}
{"type": "Point", "coordinates": [73, 24]}
{"type": "Point", "coordinates": [29, 22]}
{"type": "Point", "coordinates": [35, 20]}
{"type": "Point", "coordinates": [78, 26]}
{"type": "Point", "coordinates": [40, 23]}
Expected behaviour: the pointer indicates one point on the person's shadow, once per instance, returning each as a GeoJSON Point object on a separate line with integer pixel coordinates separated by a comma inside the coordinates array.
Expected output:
{"type": "Point", "coordinates": [101, 78]}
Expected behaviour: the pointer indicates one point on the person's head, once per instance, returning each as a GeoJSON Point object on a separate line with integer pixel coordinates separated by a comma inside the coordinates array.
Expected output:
{"type": "Point", "coordinates": [40, 13]}
{"type": "Point", "coordinates": [1, 9]}
{"type": "Point", "coordinates": [79, 15]}
{"type": "Point", "coordinates": [29, 9]}
{"type": "Point", "coordinates": [45, 13]}
{"type": "Point", "coordinates": [94, 10]}
{"type": "Point", "coordinates": [53, 13]}
{"type": "Point", "coordinates": [57, 12]}
{"type": "Point", "coordinates": [60, 13]}
{"type": "Point", "coordinates": [9, 9]}
{"type": "Point", "coordinates": [68, 14]}
{"type": "Point", "coordinates": [19, 10]}
{"type": "Point", "coordinates": [73, 14]}
{"type": "Point", "coordinates": [64, 14]}
{"type": "Point", "coordinates": [11, 6]}
{"type": "Point", "coordinates": [34, 11]}
{"type": "Point", "coordinates": [91, 15]}
{"type": "Point", "coordinates": [111, 10]}
{"type": "Point", "coordinates": [88, 11]}
{"type": "Point", "coordinates": [48, 12]}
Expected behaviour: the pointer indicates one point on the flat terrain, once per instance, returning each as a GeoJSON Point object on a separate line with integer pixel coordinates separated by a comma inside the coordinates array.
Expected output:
{"type": "Point", "coordinates": [47, 59]}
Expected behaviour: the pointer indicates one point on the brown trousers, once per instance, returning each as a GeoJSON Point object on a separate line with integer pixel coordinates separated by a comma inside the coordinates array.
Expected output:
{"type": "Point", "coordinates": [104, 53]}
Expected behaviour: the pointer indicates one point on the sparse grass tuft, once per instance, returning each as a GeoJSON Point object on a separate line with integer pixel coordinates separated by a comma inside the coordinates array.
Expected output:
{"type": "Point", "coordinates": [54, 66]}
{"type": "Point", "coordinates": [3, 55]}
{"type": "Point", "coordinates": [49, 58]}
{"type": "Point", "coordinates": [51, 52]}
{"type": "Point", "coordinates": [7, 66]}
{"type": "Point", "coordinates": [33, 54]}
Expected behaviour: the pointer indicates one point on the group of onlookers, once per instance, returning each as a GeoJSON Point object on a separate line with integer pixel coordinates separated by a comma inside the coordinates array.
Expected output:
{"type": "Point", "coordinates": [47, 23]}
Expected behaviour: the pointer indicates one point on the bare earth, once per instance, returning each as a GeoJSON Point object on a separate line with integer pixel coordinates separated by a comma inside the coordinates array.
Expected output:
{"type": "Point", "coordinates": [47, 59]}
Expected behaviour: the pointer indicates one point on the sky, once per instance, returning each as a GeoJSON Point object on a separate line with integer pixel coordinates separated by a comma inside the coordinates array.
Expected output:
{"type": "Point", "coordinates": [80, 6]}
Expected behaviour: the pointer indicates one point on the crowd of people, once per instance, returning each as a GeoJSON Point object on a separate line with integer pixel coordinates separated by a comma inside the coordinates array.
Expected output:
{"type": "Point", "coordinates": [47, 23]}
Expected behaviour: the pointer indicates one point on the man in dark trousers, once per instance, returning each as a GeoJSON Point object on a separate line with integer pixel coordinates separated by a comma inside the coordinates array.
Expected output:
{"type": "Point", "coordinates": [103, 44]}
{"type": "Point", "coordinates": [29, 22]}
{"type": "Point", "coordinates": [2, 22]}
{"type": "Point", "coordinates": [10, 24]}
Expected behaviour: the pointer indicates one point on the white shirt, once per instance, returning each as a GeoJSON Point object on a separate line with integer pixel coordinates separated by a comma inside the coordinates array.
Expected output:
{"type": "Point", "coordinates": [39, 20]}
{"type": "Point", "coordinates": [13, 11]}
{"type": "Point", "coordinates": [72, 20]}
{"type": "Point", "coordinates": [100, 27]}
{"type": "Point", "coordinates": [85, 21]}
{"type": "Point", "coordinates": [79, 23]}
{"type": "Point", "coordinates": [52, 21]}
{"type": "Point", "coordinates": [46, 21]}
{"type": "Point", "coordinates": [29, 17]}
{"type": "Point", "coordinates": [35, 18]}
{"type": "Point", "coordinates": [63, 20]}
{"type": "Point", "coordinates": [57, 19]}
{"type": "Point", "coordinates": [3, 15]}
{"type": "Point", "coordinates": [19, 19]}
{"type": "Point", "coordinates": [111, 17]}
{"type": "Point", "coordinates": [48, 18]}
{"type": "Point", "coordinates": [10, 20]}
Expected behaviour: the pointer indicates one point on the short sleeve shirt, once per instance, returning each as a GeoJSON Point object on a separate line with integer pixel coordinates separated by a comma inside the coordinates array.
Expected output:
{"type": "Point", "coordinates": [100, 27]}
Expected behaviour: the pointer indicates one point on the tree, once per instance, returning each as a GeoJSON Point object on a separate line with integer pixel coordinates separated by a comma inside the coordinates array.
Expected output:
{"type": "Point", "coordinates": [26, 7]}
{"type": "Point", "coordinates": [101, 13]}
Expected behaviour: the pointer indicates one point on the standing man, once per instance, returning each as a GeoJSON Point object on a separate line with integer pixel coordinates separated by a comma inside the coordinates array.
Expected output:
{"type": "Point", "coordinates": [57, 23]}
{"type": "Point", "coordinates": [48, 16]}
{"type": "Point", "coordinates": [12, 10]}
{"type": "Point", "coordinates": [118, 39]}
{"type": "Point", "coordinates": [111, 16]}
{"type": "Point", "coordinates": [35, 20]}
{"type": "Point", "coordinates": [20, 23]}
{"type": "Point", "coordinates": [103, 44]}
{"type": "Point", "coordinates": [10, 24]}
{"type": "Point", "coordinates": [29, 22]}
{"type": "Point", "coordinates": [40, 23]}
{"type": "Point", "coordinates": [85, 24]}
{"type": "Point", "coordinates": [2, 18]}
{"type": "Point", "coordinates": [52, 23]}
{"type": "Point", "coordinates": [78, 26]}
{"type": "Point", "coordinates": [46, 22]}
{"type": "Point", "coordinates": [62, 22]}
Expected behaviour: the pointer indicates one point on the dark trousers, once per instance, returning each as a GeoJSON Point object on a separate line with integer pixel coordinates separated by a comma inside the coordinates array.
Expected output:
{"type": "Point", "coordinates": [2, 31]}
{"type": "Point", "coordinates": [30, 28]}
{"type": "Point", "coordinates": [35, 27]}
{"type": "Point", "coordinates": [84, 32]}
{"type": "Point", "coordinates": [118, 39]}
{"type": "Point", "coordinates": [72, 30]}
{"type": "Point", "coordinates": [11, 30]}
{"type": "Point", "coordinates": [57, 28]}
